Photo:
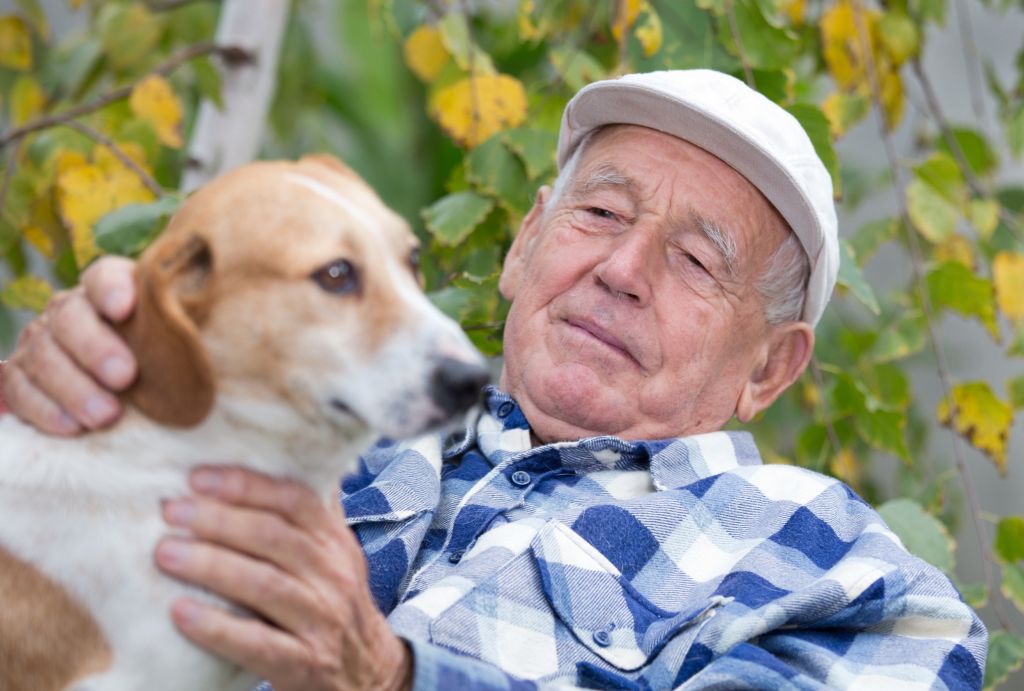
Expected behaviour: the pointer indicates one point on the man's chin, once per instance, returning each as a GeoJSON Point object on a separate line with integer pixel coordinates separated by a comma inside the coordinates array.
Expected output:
{"type": "Point", "coordinates": [571, 403]}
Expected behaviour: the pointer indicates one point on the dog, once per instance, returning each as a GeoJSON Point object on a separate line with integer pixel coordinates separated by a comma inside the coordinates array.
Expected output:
{"type": "Point", "coordinates": [280, 323]}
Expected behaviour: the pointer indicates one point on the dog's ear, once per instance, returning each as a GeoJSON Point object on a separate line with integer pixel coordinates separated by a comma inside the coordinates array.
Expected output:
{"type": "Point", "coordinates": [175, 385]}
{"type": "Point", "coordinates": [329, 162]}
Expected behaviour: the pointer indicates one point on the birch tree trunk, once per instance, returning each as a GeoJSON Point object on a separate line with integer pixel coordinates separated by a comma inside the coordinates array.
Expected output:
{"type": "Point", "coordinates": [225, 139]}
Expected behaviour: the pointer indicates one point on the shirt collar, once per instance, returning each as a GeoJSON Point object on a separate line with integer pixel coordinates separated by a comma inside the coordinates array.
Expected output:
{"type": "Point", "coordinates": [502, 431]}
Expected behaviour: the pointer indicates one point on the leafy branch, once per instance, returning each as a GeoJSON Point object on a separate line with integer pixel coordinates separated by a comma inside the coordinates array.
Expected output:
{"type": "Point", "coordinates": [232, 55]}
{"type": "Point", "coordinates": [917, 265]}
{"type": "Point", "coordinates": [147, 179]}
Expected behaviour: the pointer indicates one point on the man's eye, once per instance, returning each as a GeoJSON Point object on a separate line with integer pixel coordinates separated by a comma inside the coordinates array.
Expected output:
{"type": "Point", "coordinates": [339, 277]}
{"type": "Point", "coordinates": [600, 213]}
{"type": "Point", "coordinates": [696, 262]}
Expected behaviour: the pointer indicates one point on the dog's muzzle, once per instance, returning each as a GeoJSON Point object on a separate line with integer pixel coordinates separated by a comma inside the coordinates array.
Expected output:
{"type": "Point", "coordinates": [455, 385]}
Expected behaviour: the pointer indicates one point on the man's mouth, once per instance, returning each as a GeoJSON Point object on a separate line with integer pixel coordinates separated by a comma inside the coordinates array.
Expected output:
{"type": "Point", "coordinates": [603, 336]}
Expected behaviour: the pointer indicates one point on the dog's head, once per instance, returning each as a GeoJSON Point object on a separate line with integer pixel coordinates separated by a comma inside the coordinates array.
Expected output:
{"type": "Point", "coordinates": [292, 283]}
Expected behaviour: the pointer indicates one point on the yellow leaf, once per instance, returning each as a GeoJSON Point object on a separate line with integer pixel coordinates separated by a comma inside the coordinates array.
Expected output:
{"type": "Point", "coordinates": [844, 110]}
{"type": "Point", "coordinates": [15, 43]}
{"type": "Point", "coordinates": [1008, 277]}
{"type": "Point", "coordinates": [153, 100]}
{"type": "Point", "coordinates": [956, 248]}
{"type": "Point", "coordinates": [794, 10]}
{"type": "Point", "coordinates": [27, 99]}
{"type": "Point", "coordinates": [39, 239]}
{"type": "Point", "coordinates": [842, 45]}
{"type": "Point", "coordinates": [528, 30]}
{"type": "Point", "coordinates": [27, 292]}
{"type": "Point", "coordinates": [982, 418]}
{"type": "Point", "coordinates": [475, 107]}
{"type": "Point", "coordinates": [810, 396]}
{"type": "Point", "coordinates": [984, 215]}
{"type": "Point", "coordinates": [88, 191]}
{"type": "Point", "coordinates": [648, 32]}
{"type": "Point", "coordinates": [891, 88]}
{"type": "Point", "coordinates": [844, 466]}
{"type": "Point", "coordinates": [425, 53]}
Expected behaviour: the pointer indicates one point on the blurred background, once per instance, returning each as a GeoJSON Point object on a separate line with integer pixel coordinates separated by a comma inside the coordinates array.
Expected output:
{"type": "Point", "coordinates": [450, 110]}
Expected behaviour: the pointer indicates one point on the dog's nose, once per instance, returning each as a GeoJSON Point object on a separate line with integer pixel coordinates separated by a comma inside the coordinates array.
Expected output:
{"type": "Point", "coordinates": [455, 384]}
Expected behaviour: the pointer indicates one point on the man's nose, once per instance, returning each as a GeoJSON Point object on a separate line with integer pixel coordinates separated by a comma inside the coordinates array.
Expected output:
{"type": "Point", "coordinates": [455, 384]}
{"type": "Point", "coordinates": [625, 272]}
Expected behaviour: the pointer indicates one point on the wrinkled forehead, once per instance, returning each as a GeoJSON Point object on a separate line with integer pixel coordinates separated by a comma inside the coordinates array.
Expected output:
{"type": "Point", "coordinates": [297, 214]}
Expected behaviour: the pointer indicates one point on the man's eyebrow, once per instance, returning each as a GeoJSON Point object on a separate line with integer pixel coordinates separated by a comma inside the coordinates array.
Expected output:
{"type": "Point", "coordinates": [604, 175]}
{"type": "Point", "coordinates": [723, 242]}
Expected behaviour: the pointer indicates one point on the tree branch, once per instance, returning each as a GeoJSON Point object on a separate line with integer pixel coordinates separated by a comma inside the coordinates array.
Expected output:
{"type": "Point", "coordinates": [919, 283]}
{"type": "Point", "coordinates": [734, 29]}
{"type": "Point", "coordinates": [167, 5]}
{"type": "Point", "coordinates": [147, 179]}
{"type": "Point", "coordinates": [231, 54]}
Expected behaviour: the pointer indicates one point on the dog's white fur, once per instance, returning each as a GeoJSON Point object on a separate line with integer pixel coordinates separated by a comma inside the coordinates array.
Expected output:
{"type": "Point", "coordinates": [86, 512]}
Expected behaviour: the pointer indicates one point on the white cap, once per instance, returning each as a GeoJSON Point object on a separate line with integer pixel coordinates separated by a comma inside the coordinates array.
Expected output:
{"type": "Point", "coordinates": [743, 128]}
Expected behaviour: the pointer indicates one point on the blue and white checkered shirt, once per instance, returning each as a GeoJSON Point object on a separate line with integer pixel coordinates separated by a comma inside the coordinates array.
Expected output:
{"type": "Point", "coordinates": [645, 565]}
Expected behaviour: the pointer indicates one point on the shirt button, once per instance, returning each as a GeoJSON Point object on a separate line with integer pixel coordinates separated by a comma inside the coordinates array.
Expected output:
{"type": "Point", "coordinates": [505, 409]}
{"type": "Point", "coordinates": [456, 556]}
{"type": "Point", "coordinates": [520, 478]}
{"type": "Point", "coordinates": [602, 638]}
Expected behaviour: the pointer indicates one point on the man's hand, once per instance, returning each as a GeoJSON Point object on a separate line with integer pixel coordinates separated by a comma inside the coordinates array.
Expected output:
{"type": "Point", "coordinates": [68, 360]}
{"type": "Point", "coordinates": [271, 546]}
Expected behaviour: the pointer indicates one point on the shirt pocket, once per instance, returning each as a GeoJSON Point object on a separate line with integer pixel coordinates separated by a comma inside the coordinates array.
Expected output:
{"type": "Point", "coordinates": [560, 603]}
{"type": "Point", "coordinates": [604, 612]}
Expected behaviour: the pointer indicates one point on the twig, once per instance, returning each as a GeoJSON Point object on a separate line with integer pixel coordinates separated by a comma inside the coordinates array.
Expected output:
{"type": "Point", "coordinates": [734, 29]}
{"type": "Point", "coordinates": [919, 283]}
{"type": "Point", "coordinates": [5, 184]}
{"type": "Point", "coordinates": [147, 179]}
{"type": "Point", "coordinates": [231, 54]}
{"type": "Point", "coordinates": [167, 5]}
{"type": "Point", "coordinates": [977, 187]}
{"type": "Point", "coordinates": [963, 16]}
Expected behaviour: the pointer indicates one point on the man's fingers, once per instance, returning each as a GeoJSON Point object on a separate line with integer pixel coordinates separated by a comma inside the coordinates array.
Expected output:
{"type": "Point", "coordinates": [38, 410]}
{"type": "Point", "coordinates": [110, 285]}
{"type": "Point", "coordinates": [54, 374]}
{"type": "Point", "coordinates": [261, 534]}
{"type": "Point", "coordinates": [80, 332]}
{"type": "Point", "coordinates": [250, 643]}
{"type": "Point", "coordinates": [293, 500]}
{"type": "Point", "coordinates": [255, 584]}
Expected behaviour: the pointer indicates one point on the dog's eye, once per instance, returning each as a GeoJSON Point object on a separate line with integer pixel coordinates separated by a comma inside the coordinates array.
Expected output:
{"type": "Point", "coordinates": [338, 277]}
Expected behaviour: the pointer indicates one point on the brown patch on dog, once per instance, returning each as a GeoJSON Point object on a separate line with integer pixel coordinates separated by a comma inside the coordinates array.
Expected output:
{"type": "Point", "coordinates": [47, 640]}
{"type": "Point", "coordinates": [175, 385]}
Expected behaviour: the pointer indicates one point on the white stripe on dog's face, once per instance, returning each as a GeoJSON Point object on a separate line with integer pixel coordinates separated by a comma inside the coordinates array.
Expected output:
{"type": "Point", "coordinates": [332, 196]}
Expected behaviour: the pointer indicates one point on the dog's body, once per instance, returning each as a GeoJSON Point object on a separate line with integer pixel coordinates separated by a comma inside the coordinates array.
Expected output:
{"type": "Point", "coordinates": [256, 346]}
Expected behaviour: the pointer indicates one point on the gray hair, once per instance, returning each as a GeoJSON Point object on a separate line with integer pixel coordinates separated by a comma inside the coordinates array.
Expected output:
{"type": "Point", "coordinates": [783, 285]}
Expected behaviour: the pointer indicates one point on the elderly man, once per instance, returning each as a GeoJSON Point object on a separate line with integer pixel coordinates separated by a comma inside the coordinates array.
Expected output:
{"type": "Point", "coordinates": [593, 526]}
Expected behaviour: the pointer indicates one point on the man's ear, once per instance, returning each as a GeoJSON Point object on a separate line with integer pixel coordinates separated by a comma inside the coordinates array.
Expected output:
{"type": "Point", "coordinates": [522, 245]}
{"type": "Point", "coordinates": [787, 351]}
{"type": "Point", "coordinates": [175, 385]}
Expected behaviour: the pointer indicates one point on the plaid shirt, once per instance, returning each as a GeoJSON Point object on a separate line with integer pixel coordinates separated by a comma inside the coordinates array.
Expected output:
{"type": "Point", "coordinates": [645, 565]}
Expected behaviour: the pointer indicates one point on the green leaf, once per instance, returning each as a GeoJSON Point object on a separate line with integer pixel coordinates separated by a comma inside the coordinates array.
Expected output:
{"type": "Point", "coordinates": [1016, 388]}
{"type": "Point", "coordinates": [899, 36]}
{"type": "Point", "coordinates": [765, 45]}
{"type": "Point", "coordinates": [1009, 543]}
{"type": "Point", "coordinates": [934, 10]}
{"type": "Point", "coordinates": [457, 39]}
{"type": "Point", "coordinates": [902, 338]}
{"type": "Point", "coordinates": [535, 148]}
{"type": "Point", "coordinates": [1015, 131]}
{"type": "Point", "coordinates": [817, 127]}
{"type": "Point", "coordinates": [870, 236]}
{"type": "Point", "coordinates": [71, 66]}
{"type": "Point", "coordinates": [1005, 656]}
{"type": "Point", "coordinates": [932, 214]}
{"type": "Point", "coordinates": [851, 277]}
{"type": "Point", "coordinates": [922, 534]}
{"type": "Point", "coordinates": [883, 429]}
{"type": "Point", "coordinates": [496, 171]}
{"type": "Point", "coordinates": [33, 12]}
{"type": "Point", "coordinates": [27, 292]}
{"type": "Point", "coordinates": [955, 286]}
{"type": "Point", "coordinates": [980, 157]}
{"type": "Point", "coordinates": [208, 81]}
{"type": "Point", "coordinates": [1012, 586]}
{"type": "Point", "coordinates": [941, 172]}
{"type": "Point", "coordinates": [129, 230]}
{"type": "Point", "coordinates": [451, 219]}
{"type": "Point", "coordinates": [890, 386]}
{"type": "Point", "coordinates": [129, 33]}
{"type": "Point", "coordinates": [576, 67]}
{"type": "Point", "coordinates": [846, 397]}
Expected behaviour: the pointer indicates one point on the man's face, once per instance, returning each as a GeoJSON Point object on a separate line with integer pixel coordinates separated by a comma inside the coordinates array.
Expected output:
{"type": "Point", "coordinates": [634, 304]}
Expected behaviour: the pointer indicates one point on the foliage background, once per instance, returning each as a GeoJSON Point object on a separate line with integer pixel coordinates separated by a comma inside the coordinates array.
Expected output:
{"type": "Point", "coordinates": [450, 108]}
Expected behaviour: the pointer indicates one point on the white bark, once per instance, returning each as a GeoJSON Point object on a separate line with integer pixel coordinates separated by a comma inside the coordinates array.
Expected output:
{"type": "Point", "coordinates": [225, 139]}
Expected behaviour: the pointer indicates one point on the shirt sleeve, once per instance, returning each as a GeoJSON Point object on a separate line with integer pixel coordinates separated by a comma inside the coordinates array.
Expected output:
{"type": "Point", "coordinates": [435, 668]}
